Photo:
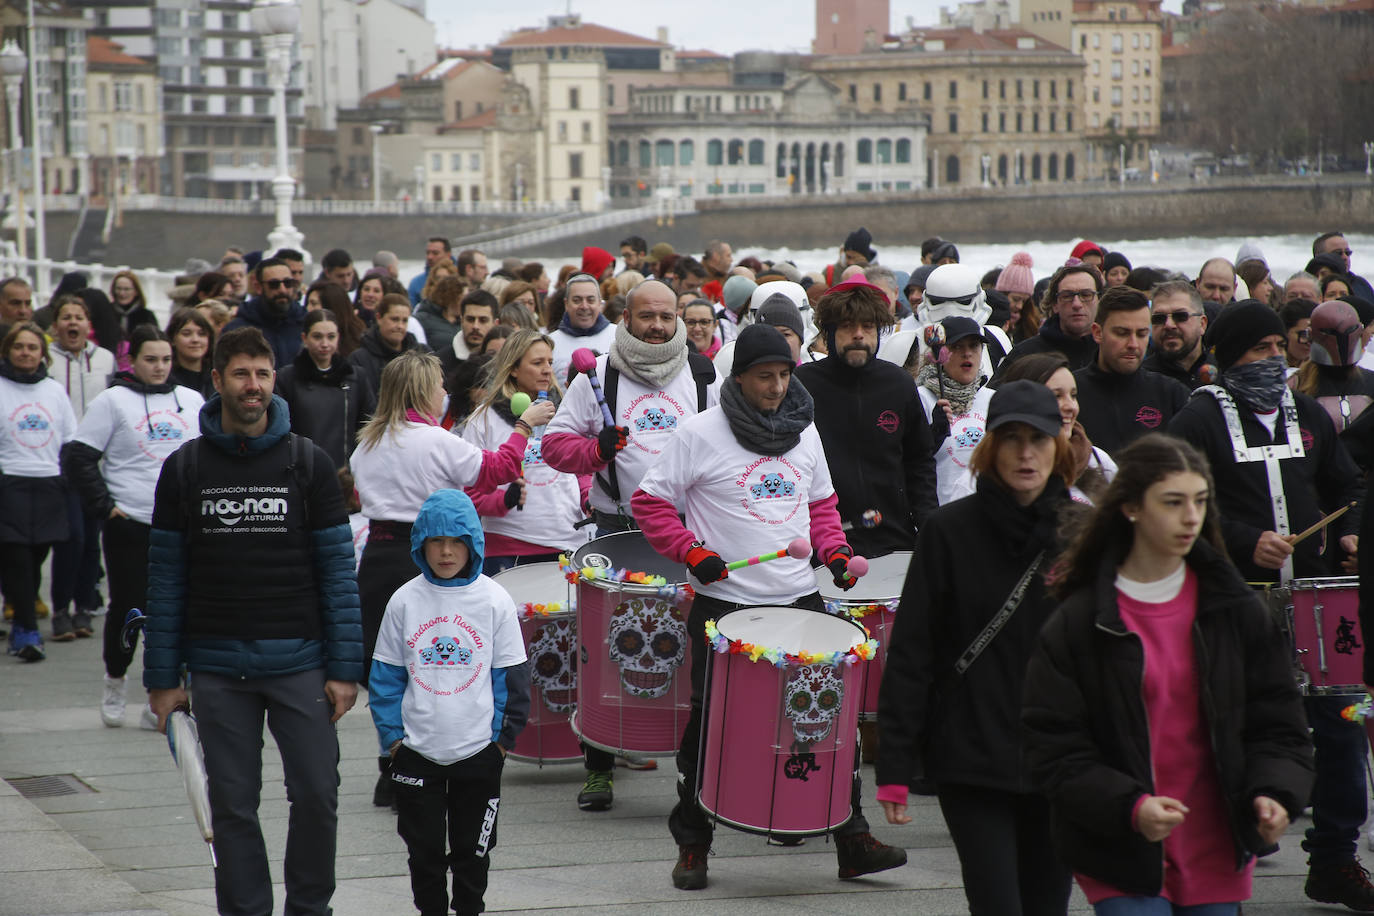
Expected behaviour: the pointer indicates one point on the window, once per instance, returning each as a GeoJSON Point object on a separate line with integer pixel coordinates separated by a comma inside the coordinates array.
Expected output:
{"type": "Point", "coordinates": [864, 156]}
{"type": "Point", "coordinates": [1135, 40]}
{"type": "Point", "coordinates": [985, 89]}
{"type": "Point", "coordinates": [455, 162]}
{"type": "Point", "coordinates": [885, 152]}
{"type": "Point", "coordinates": [1001, 122]}
{"type": "Point", "coordinates": [663, 152]}
{"type": "Point", "coordinates": [853, 93]}
{"type": "Point", "coordinates": [1035, 167]}
{"type": "Point", "coordinates": [735, 152]}
{"type": "Point", "coordinates": [1068, 89]}
{"type": "Point", "coordinates": [1097, 68]}
{"type": "Point", "coordinates": [953, 122]}
{"type": "Point", "coordinates": [953, 89]}
{"type": "Point", "coordinates": [756, 152]}
{"type": "Point", "coordinates": [903, 152]}
{"type": "Point", "coordinates": [623, 154]}
{"type": "Point", "coordinates": [1097, 120]}
{"type": "Point", "coordinates": [436, 162]}
{"type": "Point", "coordinates": [574, 99]}
{"type": "Point", "coordinates": [475, 165]}
{"type": "Point", "coordinates": [1054, 88]}
{"type": "Point", "coordinates": [645, 154]}
{"type": "Point", "coordinates": [1116, 69]}
{"type": "Point", "coordinates": [1054, 167]}
{"type": "Point", "coordinates": [1147, 41]}
{"type": "Point", "coordinates": [1135, 93]}
{"type": "Point", "coordinates": [1116, 42]}
{"type": "Point", "coordinates": [1147, 93]}
{"type": "Point", "coordinates": [901, 92]}
{"type": "Point", "coordinates": [574, 165]}
{"type": "Point", "coordinates": [684, 152]}
{"type": "Point", "coordinates": [1097, 94]}
{"type": "Point", "coordinates": [877, 92]}
{"type": "Point", "coordinates": [839, 160]}
{"type": "Point", "coordinates": [985, 122]}
{"type": "Point", "coordinates": [925, 90]}
{"type": "Point", "coordinates": [1035, 122]}
{"type": "Point", "coordinates": [104, 96]}
{"type": "Point", "coordinates": [1068, 166]}
{"type": "Point", "coordinates": [1019, 116]}
{"type": "Point", "coordinates": [1019, 93]}
{"type": "Point", "coordinates": [1146, 118]}
{"type": "Point", "coordinates": [1054, 116]}
{"type": "Point", "coordinates": [781, 170]}
{"type": "Point", "coordinates": [1035, 89]}
{"type": "Point", "coordinates": [1116, 95]}
{"type": "Point", "coordinates": [123, 96]}
{"type": "Point", "coordinates": [714, 152]}
{"type": "Point", "coordinates": [952, 170]}
{"type": "Point", "coordinates": [1097, 40]}
{"type": "Point", "coordinates": [1135, 68]}
{"type": "Point", "coordinates": [1002, 89]}
{"type": "Point", "coordinates": [1068, 121]}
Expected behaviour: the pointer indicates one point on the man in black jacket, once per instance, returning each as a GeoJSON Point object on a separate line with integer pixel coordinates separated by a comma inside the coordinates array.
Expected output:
{"type": "Point", "coordinates": [1118, 401]}
{"type": "Point", "coordinates": [1178, 323]}
{"type": "Point", "coordinates": [869, 416]}
{"type": "Point", "coordinates": [1072, 300]}
{"type": "Point", "coordinates": [1254, 415]}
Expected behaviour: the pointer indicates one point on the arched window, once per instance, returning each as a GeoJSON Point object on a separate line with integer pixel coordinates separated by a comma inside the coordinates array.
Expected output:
{"type": "Point", "coordinates": [1068, 166]}
{"type": "Point", "coordinates": [865, 154]}
{"type": "Point", "coordinates": [714, 151]}
{"type": "Point", "coordinates": [1054, 165]}
{"type": "Point", "coordinates": [663, 152]}
{"type": "Point", "coordinates": [624, 147]}
{"type": "Point", "coordinates": [839, 160]}
{"type": "Point", "coordinates": [756, 152]}
{"type": "Point", "coordinates": [646, 153]}
{"type": "Point", "coordinates": [1002, 168]}
{"type": "Point", "coordinates": [903, 152]}
{"type": "Point", "coordinates": [781, 170]}
{"type": "Point", "coordinates": [885, 152]}
{"type": "Point", "coordinates": [610, 152]}
{"type": "Point", "coordinates": [1035, 167]}
{"type": "Point", "coordinates": [736, 152]}
{"type": "Point", "coordinates": [685, 152]}
{"type": "Point", "coordinates": [952, 170]}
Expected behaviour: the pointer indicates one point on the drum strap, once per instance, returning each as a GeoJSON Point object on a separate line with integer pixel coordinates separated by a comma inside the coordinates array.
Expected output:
{"type": "Point", "coordinates": [1271, 455]}
{"type": "Point", "coordinates": [999, 620]}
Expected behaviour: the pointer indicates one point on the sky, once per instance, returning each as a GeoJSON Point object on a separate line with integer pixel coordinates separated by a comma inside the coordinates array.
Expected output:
{"type": "Point", "coordinates": [714, 25]}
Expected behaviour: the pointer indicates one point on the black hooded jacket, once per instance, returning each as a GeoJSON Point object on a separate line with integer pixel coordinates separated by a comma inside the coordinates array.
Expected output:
{"type": "Point", "coordinates": [879, 449]}
{"type": "Point", "coordinates": [328, 406]}
{"type": "Point", "coordinates": [371, 357]}
{"type": "Point", "coordinates": [1079, 351]}
{"type": "Point", "coordinates": [1117, 409]}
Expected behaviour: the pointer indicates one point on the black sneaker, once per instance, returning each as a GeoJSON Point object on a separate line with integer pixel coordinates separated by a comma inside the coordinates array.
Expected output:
{"type": "Point", "coordinates": [1346, 883]}
{"type": "Point", "coordinates": [62, 627]}
{"type": "Point", "coordinates": [689, 874]}
{"type": "Point", "coordinates": [81, 623]}
{"type": "Point", "coordinates": [862, 854]}
{"type": "Point", "coordinates": [596, 794]}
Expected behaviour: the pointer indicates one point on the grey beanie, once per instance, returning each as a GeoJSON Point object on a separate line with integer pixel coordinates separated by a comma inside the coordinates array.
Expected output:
{"type": "Point", "coordinates": [779, 311]}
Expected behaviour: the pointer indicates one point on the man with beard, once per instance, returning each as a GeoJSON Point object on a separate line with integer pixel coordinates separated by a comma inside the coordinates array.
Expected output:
{"type": "Point", "coordinates": [251, 589]}
{"type": "Point", "coordinates": [583, 324]}
{"type": "Point", "coordinates": [1278, 468]}
{"type": "Point", "coordinates": [869, 416]}
{"type": "Point", "coordinates": [653, 384]}
{"type": "Point", "coordinates": [633, 252]}
{"type": "Point", "coordinates": [749, 472]}
{"type": "Point", "coordinates": [1072, 300]}
{"type": "Point", "coordinates": [276, 313]}
{"type": "Point", "coordinates": [1178, 323]}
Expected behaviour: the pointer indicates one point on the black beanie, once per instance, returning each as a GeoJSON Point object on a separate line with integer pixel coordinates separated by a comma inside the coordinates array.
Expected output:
{"type": "Point", "coordinates": [1115, 259]}
{"type": "Point", "coordinates": [760, 343]}
{"type": "Point", "coordinates": [1239, 327]}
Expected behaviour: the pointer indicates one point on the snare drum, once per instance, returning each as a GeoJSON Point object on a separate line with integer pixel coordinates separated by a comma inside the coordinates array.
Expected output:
{"type": "Point", "coordinates": [1327, 636]}
{"type": "Point", "coordinates": [634, 691]}
{"type": "Point", "coordinates": [548, 624]}
{"type": "Point", "coordinates": [779, 739]}
{"type": "Point", "coordinates": [873, 602]}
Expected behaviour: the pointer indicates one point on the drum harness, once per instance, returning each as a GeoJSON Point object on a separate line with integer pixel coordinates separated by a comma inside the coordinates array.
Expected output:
{"type": "Point", "coordinates": [1271, 455]}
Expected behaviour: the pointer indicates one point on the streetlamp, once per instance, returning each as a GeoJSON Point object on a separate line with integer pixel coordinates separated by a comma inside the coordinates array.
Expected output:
{"type": "Point", "coordinates": [377, 130]}
{"type": "Point", "coordinates": [1154, 165]}
{"type": "Point", "coordinates": [987, 170]}
{"type": "Point", "coordinates": [40, 240]}
{"type": "Point", "coordinates": [1369, 159]}
{"type": "Point", "coordinates": [12, 65]}
{"type": "Point", "coordinates": [276, 21]}
{"type": "Point", "coordinates": [1121, 165]}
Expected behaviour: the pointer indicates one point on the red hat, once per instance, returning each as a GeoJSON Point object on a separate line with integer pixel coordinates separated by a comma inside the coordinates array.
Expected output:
{"type": "Point", "coordinates": [858, 281]}
{"type": "Point", "coordinates": [1086, 247]}
{"type": "Point", "coordinates": [596, 260]}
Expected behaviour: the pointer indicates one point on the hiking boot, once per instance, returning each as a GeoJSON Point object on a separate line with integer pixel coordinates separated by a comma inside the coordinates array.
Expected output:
{"type": "Point", "coordinates": [27, 644]}
{"type": "Point", "coordinates": [384, 793]}
{"type": "Point", "coordinates": [596, 794]}
{"type": "Point", "coordinates": [39, 608]}
{"type": "Point", "coordinates": [1345, 883]}
{"type": "Point", "coordinates": [62, 627]}
{"type": "Point", "coordinates": [112, 702]}
{"type": "Point", "coordinates": [81, 623]}
{"type": "Point", "coordinates": [862, 854]}
{"type": "Point", "coordinates": [689, 874]}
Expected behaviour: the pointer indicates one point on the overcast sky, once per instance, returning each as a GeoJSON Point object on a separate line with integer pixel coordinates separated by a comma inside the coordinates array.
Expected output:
{"type": "Point", "coordinates": [715, 25]}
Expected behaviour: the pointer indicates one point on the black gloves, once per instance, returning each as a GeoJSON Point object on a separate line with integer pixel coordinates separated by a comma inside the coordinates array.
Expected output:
{"type": "Point", "coordinates": [513, 495]}
{"type": "Point", "coordinates": [610, 440]}
{"type": "Point", "coordinates": [706, 565]}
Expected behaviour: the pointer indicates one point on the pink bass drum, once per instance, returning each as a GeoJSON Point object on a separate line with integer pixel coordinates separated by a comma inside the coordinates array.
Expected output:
{"type": "Point", "coordinates": [778, 743]}
{"type": "Point", "coordinates": [1327, 636]}
{"type": "Point", "coordinates": [548, 622]}
{"type": "Point", "coordinates": [634, 691]}
{"type": "Point", "coordinates": [873, 603]}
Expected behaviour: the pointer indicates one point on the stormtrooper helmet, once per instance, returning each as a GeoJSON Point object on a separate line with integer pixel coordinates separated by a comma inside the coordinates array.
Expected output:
{"type": "Point", "coordinates": [1337, 335]}
{"type": "Point", "coordinates": [953, 289]}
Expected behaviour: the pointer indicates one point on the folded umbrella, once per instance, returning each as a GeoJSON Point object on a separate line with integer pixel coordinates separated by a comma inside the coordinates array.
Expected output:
{"type": "Point", "coordinates": [184, 740]}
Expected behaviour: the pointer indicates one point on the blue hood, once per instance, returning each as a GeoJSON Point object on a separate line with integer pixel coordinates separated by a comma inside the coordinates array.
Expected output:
{"type": "Point", "coordinates": [278, 425]}
{"type": "Point", "coordinates": [450, 514]}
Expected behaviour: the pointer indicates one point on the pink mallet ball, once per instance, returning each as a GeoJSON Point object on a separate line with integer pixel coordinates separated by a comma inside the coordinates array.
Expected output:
{"type": "Point", "coordinates": [583, 360]}
{"type": "Point", "coordinates": [799, 549]}
{"type": "Point", "coordinates": [858, 567]}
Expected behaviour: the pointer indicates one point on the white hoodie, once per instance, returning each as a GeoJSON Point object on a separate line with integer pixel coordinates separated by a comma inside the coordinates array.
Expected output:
{"type": "Point", "coordinates": [83, 374]}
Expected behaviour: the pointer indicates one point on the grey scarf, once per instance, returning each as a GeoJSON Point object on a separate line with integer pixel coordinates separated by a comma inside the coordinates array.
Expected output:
{"type": "Point", "coordinates": [767, 433]}
{"type": "Point", "coordinates": [654, 364]}
{"type": "Point", "coordinates": [958, 395]}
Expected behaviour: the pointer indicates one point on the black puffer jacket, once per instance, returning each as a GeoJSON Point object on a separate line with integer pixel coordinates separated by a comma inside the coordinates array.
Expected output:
{"type": "Point", "coordinates": [1087, 736]}
{"type": "Point", "coordinates": [1079, 351]}
{"type": "Point", "coordinates": [371, 358]}
{"type": "Point", "coordinates": [1117, 409]}
{"type": "Point", "coordinates": [328, 406]}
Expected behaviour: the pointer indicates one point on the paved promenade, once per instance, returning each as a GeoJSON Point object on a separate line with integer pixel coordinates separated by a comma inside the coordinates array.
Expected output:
{"type": "Point", "coordinates": [130, 846]}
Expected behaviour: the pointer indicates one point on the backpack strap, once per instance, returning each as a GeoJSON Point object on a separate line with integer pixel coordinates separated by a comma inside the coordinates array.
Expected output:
{"type": "Point", "coordinates": [187, 463]}
{"type": "Point", "coordinates": [704, 371]}
{"type": "Point", "coordinates": [302, 467]}
{"type": "Point", "coordinates": [610, 484]}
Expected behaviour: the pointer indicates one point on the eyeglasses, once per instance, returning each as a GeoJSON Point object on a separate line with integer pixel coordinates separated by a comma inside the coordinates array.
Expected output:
{"type": "Point", "coordinates": [1345, 251]}
{"type": "Point", "coordinates": [1065, 296]}
{"type": "Point", "coordinates": [1180, 317]}
{"type": "Point", "coordinates": [288, 283]}
{"type": "Point", "coordinates": [699, 322]}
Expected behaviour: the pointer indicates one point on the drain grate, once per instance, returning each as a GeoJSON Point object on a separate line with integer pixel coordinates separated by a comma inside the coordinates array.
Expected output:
{"type": "Point", "coordinates": [50, 786]}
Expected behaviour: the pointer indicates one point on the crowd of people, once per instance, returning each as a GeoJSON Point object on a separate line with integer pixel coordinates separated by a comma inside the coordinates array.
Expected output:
{"type": "Point", "coordinates": [1097, 474]}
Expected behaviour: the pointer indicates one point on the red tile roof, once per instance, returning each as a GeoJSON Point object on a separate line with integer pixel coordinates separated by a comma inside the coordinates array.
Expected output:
{"type": "Point", "coordinates": [700, 55]}
{"type": "Point", "coordinates": [103, 51]}
{"type": "Point", "coordinates": [586, 34]}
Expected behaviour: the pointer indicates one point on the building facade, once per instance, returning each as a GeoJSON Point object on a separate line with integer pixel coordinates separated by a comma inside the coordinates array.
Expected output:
{"type": "Point", "coordinates": [124, 122]}
{"type": "Point", "coordinates": [850, 26]}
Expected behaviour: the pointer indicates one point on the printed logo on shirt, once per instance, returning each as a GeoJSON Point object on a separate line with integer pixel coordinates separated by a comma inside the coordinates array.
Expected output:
{"type": "Point", "coordinates": [964, 436]}
{"type": "Point", "coordinates": [652, 417]}
{"type": "Point", "coordinates": [227, 509]}
{"type": "Point", "coordinates": [888, 421]}
{"type": "Point", "coordinates": [536, 470]}
{"type": "Point", "coordinates": [771, 489]}
{"type": "Point", "coordinates": [444, 650]}
{"type": "Point", "coordinates": [1149, 417]}
{"type": "Point", "coordinates": [161, 432]}
{"type": "Point", "coordinates": [33, 425]}
{"type": "Point", "coordinates": [445, 646]}
{"type": "Point", "coordinates": [1309, 441]}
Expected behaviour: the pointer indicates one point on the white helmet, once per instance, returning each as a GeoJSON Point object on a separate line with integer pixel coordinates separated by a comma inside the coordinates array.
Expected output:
{"type": "Point", "coordinates": [953, 289]}
{"type": "Point", "coordinates": [793, 291]}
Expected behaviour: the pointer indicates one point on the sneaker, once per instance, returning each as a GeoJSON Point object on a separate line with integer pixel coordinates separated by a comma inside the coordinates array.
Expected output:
{"type": "Point", "coordinates": [1345, 883]}
{"type": "Point", "coordinates": [39, 608]}
{"type": "Point", "coordinates": [636, 762]}
{"type": "Point", "coordinates": [27, 644]}
{"type": "Point", "coordinates": [62, 627]}
{"type": "Point", "coordinates": [862, 854]}
{"type": "Point", "coordinates": [112, 702]}
{"type": "Point", "coordinates": [689, 874]}
{"type": "Point", "coordinates": [596, 794]}
{"type": "Point", "coordinates": [81, 623]}
{"type": "Point", "coordinates": [148, 719]}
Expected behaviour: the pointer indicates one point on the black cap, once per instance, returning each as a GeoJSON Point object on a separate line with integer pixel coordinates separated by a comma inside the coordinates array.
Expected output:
{"type": "Point", "coordinates": [957, 327]}
{"type": "Point", "coordinates": [861, 241]}
{"type": "Point", "coordinates": [1024, 401]}
{"type": "Point", "coordinates": [760, 343]}
{"type": "Point", "coordinates": [1115, 259]}
{"type": "Point", "coordinates": [1329, 260]}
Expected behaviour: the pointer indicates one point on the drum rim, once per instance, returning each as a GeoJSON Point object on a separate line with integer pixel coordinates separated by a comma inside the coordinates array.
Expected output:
{"type": "Point", "coordinates": [1315, 583]}
{"type": "Point", "coordinates": [842, 597]}
{"type": "Point", "coordinates": [864, 635]}
{"type": "Point", "coordinates": [611, 585]}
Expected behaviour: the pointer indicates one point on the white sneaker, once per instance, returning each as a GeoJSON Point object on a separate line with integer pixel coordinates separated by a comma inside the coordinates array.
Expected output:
{"type": "Point", "coordinates": [112, 703]}
{"type": "Point", "coordinates": [148, 721]}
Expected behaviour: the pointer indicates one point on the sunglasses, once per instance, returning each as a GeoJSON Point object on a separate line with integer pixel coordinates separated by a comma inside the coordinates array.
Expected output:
{"type": "Point", "coordinates": [1065, 296]}
{"type": "Point", "coordinates": [1180, 317]}
{"type": "Point", "coordinates": [288, 283]}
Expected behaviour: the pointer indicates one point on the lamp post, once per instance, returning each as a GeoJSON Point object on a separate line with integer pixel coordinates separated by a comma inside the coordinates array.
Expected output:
{"type": "Point", "coordinates": [276, 21]}
{"type": "Point", "coordinates": [1121, 165]}
{"type": "Point", "coordinates": [1154, 165]}
{"type": "Point", "coordinates": [377, 130]}
{"type": "Point", "coordinates": [40, 241]}
{"type": "Point", "coordinates": [12, 65]}
{"type": "Point", "coordinates": [1368, 159]}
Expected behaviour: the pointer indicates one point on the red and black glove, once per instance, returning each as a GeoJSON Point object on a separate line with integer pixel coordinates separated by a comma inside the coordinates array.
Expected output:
{"type": "Point", "coordinates": [513, 495]}
{"type": "Point", "coordinates": [610, 440]}
{"type": "Point", "coordinates": [706, 565]}
{"type": "Point", "coordinates": [838, 564]}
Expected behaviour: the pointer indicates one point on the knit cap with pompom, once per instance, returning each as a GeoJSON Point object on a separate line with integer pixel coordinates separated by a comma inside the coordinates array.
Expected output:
{"type": "Point", "coordinates": [1016, 277]}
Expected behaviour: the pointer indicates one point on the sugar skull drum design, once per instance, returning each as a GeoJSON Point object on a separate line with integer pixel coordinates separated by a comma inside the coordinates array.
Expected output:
{"type": "Point", "coordinates": [648, 642]}
{"type": "Point", "coordinates": [813, 699]}
{"type": "Point", "coordinates": [553, 665]}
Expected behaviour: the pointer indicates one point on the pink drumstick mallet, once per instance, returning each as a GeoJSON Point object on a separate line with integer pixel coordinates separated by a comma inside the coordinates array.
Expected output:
{"type": "Point", "coordinates": [799, 549]}
{"type": "Point", "coordinates": [584, 361]}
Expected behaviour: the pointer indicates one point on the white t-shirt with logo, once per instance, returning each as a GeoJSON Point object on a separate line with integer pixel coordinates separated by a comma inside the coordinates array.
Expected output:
{"type": "Point", "coordinates": [449, 640]}
{"type": "Point", "coordinates": [565, 345]}
{"type": "Point", "coordinates": [395, 477]}
{"type": "Point", "coordinates": [553, 499]}
{"type": "Point", "coordinates": [952, 455]}
{"type": "Point", "coordinates": [653, 416]}
{"type": "Point", "coordinates": [37, 420]}
{"type": "Point", "coordinates": [741, 504]}
{"type": "Point", "coordinates": [136, 435]}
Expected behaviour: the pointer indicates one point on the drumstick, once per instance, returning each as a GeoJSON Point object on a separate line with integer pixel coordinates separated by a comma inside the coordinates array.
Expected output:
{"type": "Point", "coordinates": [584, 361]}
{"type": "Point", "coordinates": [1322, 524]}
{"type": "Point", "coordinates": [799, 549]}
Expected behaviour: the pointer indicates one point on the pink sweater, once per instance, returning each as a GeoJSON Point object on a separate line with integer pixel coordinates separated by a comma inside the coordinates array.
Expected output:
{"type": "Point", "coordinates": [1199, 854]}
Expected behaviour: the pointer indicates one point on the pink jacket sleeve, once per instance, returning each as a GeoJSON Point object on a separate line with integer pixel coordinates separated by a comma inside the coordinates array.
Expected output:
{"type": "Point", "coordinates": [826, 534]}
{"type": "Point", "coordinates": [894, 794]}
{"type": "Point", "coordinates": [664, 531]}
{"type": "Point", "coordinates": [502, 465]}
{"type": "Point", "coordinates": [490, 503]}
{"type": "Point", "coordinates": [571, 453]}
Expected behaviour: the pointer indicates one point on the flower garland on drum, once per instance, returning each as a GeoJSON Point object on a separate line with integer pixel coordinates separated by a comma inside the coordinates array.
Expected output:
{"type": "Point", "coordinates": [862, 652]}
{"type": "Point", "coordinates": [530, 610]}
{"type": "Point", "coordinates": [672, 593]}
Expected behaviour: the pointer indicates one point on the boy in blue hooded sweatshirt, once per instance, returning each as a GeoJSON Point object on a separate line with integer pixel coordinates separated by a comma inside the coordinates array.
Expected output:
{"type": "Point", "coordinates": [450, 691]}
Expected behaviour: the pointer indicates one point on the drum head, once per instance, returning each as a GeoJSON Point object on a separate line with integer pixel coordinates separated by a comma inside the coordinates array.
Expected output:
{"type": "Point", "coordinates": [791, 630]}
{"type": "Point", "coordinates": [628, 550]}
{"type": "Point", "coordinates": [886, 576]}
{"type": "Point", "coordinates": [535, 583]}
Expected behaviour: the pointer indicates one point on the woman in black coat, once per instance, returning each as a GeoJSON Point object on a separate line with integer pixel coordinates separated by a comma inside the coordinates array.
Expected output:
{"type": "Point", "coordinates": [385, 340]}
{"type": "Point", "coordinates": [1162, 719]}
{"type": "Point", "coordinates": [329, 401]}
{"type": "Point", "coordinates": [959, 725]}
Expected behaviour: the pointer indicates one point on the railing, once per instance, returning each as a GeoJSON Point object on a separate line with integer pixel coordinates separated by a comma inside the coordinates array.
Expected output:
{"type": "Point", "coordinates": [524, 239]}
{"type": "Point", "coordinates": [45, 274]}
{"type": "Point", "coordinates": [306, 207]}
